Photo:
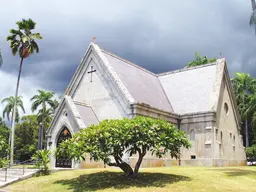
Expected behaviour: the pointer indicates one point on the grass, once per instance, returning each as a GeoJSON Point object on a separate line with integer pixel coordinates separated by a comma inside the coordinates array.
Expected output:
{"type": "Point", "coordinates": [185, 179]}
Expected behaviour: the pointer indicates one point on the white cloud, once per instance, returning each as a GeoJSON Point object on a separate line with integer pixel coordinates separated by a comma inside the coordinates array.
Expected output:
{"type": "Point", "coordinates": [28, 88]}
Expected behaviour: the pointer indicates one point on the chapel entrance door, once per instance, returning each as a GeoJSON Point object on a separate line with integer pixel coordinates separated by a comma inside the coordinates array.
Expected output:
{"type": "Point", "coordinates": [63, 161]}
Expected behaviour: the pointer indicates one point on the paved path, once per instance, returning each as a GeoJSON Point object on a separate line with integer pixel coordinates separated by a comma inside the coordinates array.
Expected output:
{"type": "Point", "coordinates": [14, 174]}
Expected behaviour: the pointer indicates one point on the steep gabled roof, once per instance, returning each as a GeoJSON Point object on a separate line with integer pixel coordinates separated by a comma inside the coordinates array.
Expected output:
{"type": "Point", "coordinates": [87, 114]}
{"type": "Point", "coordinates": [189, 90]}
{"type": "Point", "coordinates": [185, 91]}
{"type": "Point", "coordinates": [143, 85]}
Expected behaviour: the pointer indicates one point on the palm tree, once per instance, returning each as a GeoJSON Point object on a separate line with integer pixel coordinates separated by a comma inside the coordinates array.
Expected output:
{"type": "Point", "coordinates": [1, 59]}
{"type": "Point", "coordinates": [243, 85]}
{"type": "Point", "coordinates": [22, 40]}
{"type": "Point", "coordinates": [8, 110]}
{"type": "Point", "coordinates": [44, 117]}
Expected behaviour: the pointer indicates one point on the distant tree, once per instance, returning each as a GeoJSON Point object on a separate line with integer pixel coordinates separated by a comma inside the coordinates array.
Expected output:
{"type": "Point", "coordinates": [4, 129]}
{"type": "Point", "coordinates": [251, 152]}
{"type": "Point", "coordinates": [114, 138]}
{"type": "Point", "coordinates": [200, 60]}
{"type": "Point", "coordinates": [22, 40]}
{"type": "Point", "coordinates": [44, 115]}
{"type": "Point", "coordinates": [9, 106]}
{"type": "Point", "coordinates": [4, 146]}
{"type": "Point", "coordinates": [1, 59]}
{"type": "Point", "coordinates": [26, 137]}
{"type": "Point", "coordinates": [253, 15]}
{"type": "Point", "coordinates": [44, 98]}
{"type": "Point", "coordinates": [244, 88]}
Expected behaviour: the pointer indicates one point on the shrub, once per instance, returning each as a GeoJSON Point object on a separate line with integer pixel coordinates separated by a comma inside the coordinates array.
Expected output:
{"type": "Point", "coordinates": [42, 161]}
{"type": "Point", "coordinates": [251, 152]}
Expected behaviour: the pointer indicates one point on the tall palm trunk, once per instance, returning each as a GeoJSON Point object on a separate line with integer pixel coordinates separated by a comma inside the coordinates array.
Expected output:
{"type": "Point", "coordinates": [14, 113]}
{"type": "Point", "coordinates": [253, 5]}
{"type": "Point", "coordinates": [253, 9]}
{"type": "Point", "coordinates": [41, 128]}
{"type": "Point", "coordinates": [246, 134]}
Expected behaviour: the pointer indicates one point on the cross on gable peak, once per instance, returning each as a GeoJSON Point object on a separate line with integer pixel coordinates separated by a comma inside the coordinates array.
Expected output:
{"type": "Point", "coordinates": [92, 71]}
{"type": "Point", "coordinates": [94, 39]}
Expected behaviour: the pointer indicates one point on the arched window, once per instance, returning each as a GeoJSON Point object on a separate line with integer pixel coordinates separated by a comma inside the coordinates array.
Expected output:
{"type": "Point", "coordinates": [226, 108]}
{"type": "Point", "coordinates": [192, 135]}
{"type": "Point", "coordinates": [65, 113]}
{"type": "Point", "coordinates": [221, 136]}
{"type": "Point", "coordinates": [63, 161]}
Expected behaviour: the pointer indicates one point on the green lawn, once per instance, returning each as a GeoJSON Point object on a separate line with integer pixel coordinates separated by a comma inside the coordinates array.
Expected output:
{"type": "Point", "coordinates": [185, 179]}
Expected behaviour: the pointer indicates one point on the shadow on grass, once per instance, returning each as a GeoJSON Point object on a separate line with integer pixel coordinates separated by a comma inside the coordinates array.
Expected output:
{"type": "Point", "coordinates": [236, 172]}
{"type": "Point", "coordinates": [104, 180]}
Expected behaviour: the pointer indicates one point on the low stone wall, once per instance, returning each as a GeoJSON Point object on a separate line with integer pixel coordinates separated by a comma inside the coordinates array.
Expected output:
{"type": "Point", "coordinates": [225, 163]}
{"type": "Point", "coordinates": [155, 162]}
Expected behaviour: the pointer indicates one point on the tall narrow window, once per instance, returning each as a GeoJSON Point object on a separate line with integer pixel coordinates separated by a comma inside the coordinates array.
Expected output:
{"type": "Point", "coordinates": [226, 108]}
{"type": "Point", "coordinates": [192, 135]}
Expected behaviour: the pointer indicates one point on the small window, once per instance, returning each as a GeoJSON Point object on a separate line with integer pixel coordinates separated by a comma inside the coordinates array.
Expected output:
{"type": "Point", "coordinates": [216, 134]}
{"type": "Point", "coordinates": [221, 136]}
{"type": "Point", "coordinates": [230, 135]}
{"type": "Point", "coordinates": [226, 108]}
{"type": "Point", "coordinates": [234, 139]}
{"type": "Point", "coordinates": [193, 157]}
{"type": "Point", "coordinates": [192, 135]}
{"type": "Point", "coordinates": [65, 113]}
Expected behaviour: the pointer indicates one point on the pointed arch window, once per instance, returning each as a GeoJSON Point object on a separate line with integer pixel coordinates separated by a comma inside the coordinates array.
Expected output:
{"type": "Point", "coordinates": [63, 161]}
{"type": "Point", "coordinates": [192, 135]}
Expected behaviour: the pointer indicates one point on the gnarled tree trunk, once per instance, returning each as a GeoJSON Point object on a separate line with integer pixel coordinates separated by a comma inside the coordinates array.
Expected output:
{"type": "Point", "coordinates": [126, 167]}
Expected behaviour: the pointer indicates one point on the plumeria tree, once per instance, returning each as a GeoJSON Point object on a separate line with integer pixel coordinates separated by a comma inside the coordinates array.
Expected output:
{"type": "Point", "coordinates": [111, 139]}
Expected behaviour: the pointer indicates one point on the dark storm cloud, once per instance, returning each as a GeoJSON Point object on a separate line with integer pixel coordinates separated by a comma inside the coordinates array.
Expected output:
{"type": "Point", "coordinates": [159, 36]}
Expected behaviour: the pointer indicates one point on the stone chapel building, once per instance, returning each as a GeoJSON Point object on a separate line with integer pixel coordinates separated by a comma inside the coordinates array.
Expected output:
{"type": "Point", "coordinates": [198, 100]}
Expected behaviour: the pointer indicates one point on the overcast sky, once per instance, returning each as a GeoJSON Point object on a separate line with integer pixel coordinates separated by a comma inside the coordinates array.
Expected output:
{"type": "Point", "coordinates": [159, 35]}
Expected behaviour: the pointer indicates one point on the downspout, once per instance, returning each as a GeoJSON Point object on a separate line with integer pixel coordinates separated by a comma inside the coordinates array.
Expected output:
{"type": "Point", "coordinates": [179, 121]}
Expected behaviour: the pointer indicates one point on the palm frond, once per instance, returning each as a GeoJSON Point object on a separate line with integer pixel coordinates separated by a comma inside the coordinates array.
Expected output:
{"type": "Point", "coordinates": [35, 105]}
{"type": "Point", "coordinates": [26, 24]}
{"type": "Point", "coordinates": [34, 46]}
{"type": "Point", "coordinates": [23, 37]}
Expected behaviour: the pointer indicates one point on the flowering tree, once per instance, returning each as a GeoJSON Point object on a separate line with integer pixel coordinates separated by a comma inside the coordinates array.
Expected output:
{"type": "Point", "coordinates": [109, 140]}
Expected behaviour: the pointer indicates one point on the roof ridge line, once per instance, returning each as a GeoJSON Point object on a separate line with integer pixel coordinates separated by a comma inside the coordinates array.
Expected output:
{"type": "Point", "coordinates": [128, 62]}
{"type": "Point", "coordinates": [186, 69]}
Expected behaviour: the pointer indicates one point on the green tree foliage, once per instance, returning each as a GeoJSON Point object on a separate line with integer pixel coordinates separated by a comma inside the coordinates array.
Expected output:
{"type": "Point", "coordinates": [200, 60]}
{"type": "Point", "coordinates": [26, 137]}
{"type": "Point", "coordinates": [114, 138]}
{"type": "Point", "coordinates": [4, 149]}
{"type": "Point", "coordinates": [42, 159]}
{"type": "Point", "coordinates": [9, 106]}
{"type": "Point", "coordinates": [251, 152]}
{"type": "Point", "coordinates": [45, 100]}
{"type": "Point", "coordinates": [4, 146]}
{"type": "Point", "coordinates": [244, 87]}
